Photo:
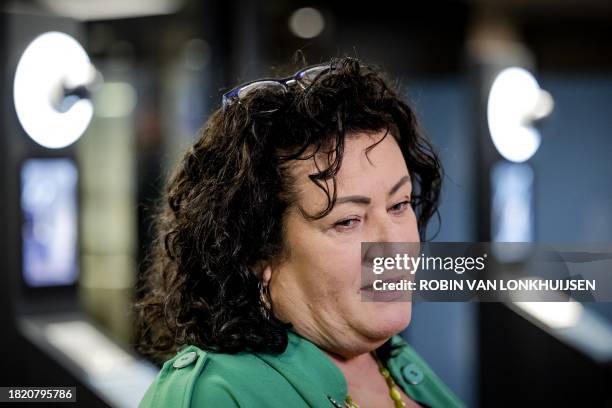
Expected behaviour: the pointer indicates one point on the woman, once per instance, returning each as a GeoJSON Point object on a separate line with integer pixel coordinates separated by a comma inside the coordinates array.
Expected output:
{"type": "Point", "coordinates": [255, 284]}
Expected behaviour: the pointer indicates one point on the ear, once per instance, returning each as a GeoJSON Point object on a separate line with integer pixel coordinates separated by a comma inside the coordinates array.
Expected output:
{"type": "Point", "coordinates": [263, 271]}
{"type": "Point", "coordinates": [266, 275]}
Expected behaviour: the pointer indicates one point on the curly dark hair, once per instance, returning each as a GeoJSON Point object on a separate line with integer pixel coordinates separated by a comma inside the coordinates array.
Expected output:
{"type": "Point", "coordinates": [225, 202]}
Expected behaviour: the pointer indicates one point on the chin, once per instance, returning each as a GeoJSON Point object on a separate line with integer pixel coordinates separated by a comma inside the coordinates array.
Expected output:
{"type": "Point", "coordinates": [389, 318]}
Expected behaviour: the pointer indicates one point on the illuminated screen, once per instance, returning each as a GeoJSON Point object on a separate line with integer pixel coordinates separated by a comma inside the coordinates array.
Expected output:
{"type": "Point", "coordinates": [49, 230]}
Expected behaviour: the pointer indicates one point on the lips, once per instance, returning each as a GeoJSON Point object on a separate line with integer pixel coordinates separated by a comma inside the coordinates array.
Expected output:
{"type": "Point", "coordinates": [389, 279]}
{"type": "Point", "coordinates": [369, 294]}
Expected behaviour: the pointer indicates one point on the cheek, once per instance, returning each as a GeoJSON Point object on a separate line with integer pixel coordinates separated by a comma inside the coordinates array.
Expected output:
{"type": "Point", "coordinates": [335, 275]}
{"type": "Point", "coordinates": [344, 269]}
{"type": "Point", "coordinates": [323, 264]}
{"type": "Point", "coordinates": [332, 271]}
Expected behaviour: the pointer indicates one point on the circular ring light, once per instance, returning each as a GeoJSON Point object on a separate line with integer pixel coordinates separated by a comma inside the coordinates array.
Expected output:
{"type": "Point", "coordinates": [50, 90]}
{"type": "Point", "coordinates": [515, 103]}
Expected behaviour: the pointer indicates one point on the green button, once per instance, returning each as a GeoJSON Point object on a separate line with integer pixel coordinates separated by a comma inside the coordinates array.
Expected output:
{"type": "Point", "coordinates": [185, 359]}
{"type": "Point", "coordinates": [413, 374]}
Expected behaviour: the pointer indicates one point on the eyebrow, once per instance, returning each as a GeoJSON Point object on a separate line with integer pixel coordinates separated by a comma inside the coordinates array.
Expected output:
{"type": "Point", "coordinates": [363, 200]}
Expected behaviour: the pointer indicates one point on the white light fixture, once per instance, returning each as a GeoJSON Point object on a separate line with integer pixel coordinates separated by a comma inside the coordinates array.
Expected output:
{"type": "Point", "coordinates": [53, 65]}
{"type": "Point", "coordinates": [306, 22]}
{"type": "Point", "coordinates": [515, 102]}
{"type": "Point", "coordinates": [572, 323]}
{"type": "Point", "coordinates": [554, 315]}
{"type": "Point", "coordinates": [92, 10]}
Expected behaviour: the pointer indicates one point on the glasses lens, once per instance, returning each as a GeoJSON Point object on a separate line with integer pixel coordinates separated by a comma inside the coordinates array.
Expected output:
{"type": "Point", "coordinates": [308, 75]}
{"type": "Point", "coordinates": [273, 85]}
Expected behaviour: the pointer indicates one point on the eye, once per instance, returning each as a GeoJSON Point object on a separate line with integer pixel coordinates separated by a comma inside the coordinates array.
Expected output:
{"type": "Point", "coordinates": [401, 207]}
{"type": "Point", "coordinates": [346, 224]}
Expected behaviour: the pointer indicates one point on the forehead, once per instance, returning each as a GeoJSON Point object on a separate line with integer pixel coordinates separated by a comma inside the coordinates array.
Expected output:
{"type": "Point", "coordinates": [358, 174]}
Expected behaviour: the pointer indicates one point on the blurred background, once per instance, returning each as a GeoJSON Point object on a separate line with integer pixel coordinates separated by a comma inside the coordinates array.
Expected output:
{"type": "Point", "coordinates": [99, 98]}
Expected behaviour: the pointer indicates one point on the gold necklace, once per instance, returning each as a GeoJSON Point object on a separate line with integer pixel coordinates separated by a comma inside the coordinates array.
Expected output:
{"type": "Point", "coordinates": [394, 392]}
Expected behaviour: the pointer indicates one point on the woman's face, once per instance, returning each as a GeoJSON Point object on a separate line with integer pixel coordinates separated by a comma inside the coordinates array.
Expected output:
{"type": "Point", "coordinates": [317, 287]}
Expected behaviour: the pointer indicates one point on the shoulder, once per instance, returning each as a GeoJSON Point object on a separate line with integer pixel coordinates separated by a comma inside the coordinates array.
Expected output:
{"type": "Point", "coordinates": [199, 378]}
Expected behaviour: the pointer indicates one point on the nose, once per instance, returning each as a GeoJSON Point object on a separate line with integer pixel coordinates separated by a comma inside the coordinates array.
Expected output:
{"type": "Point", "coordinates": [388, 238]}
{"type": "Point", "coordinates": [383, 228]}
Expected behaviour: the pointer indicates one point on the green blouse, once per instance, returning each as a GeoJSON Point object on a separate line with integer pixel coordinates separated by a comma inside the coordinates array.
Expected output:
{"type": "Point", "coordinates": [302, 376]}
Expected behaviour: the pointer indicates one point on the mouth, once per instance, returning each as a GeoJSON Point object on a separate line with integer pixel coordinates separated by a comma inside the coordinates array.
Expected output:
{"type": "Point", "coordinates": [369, 293]}
{"type": "Point", "coordinates": [370, 285]}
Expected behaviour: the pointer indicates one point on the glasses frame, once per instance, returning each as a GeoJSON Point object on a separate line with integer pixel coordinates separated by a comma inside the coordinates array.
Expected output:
{"type": "Point", "coordinates": [299, 78]}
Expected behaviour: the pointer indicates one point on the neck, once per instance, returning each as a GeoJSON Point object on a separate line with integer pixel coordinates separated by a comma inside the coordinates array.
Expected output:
{"type": "Point", "coordinates": [355, 368]}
